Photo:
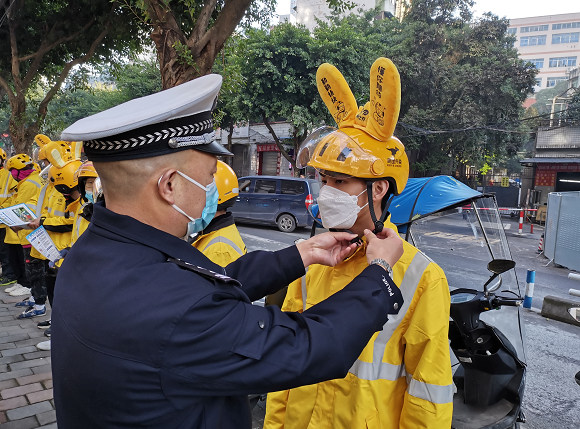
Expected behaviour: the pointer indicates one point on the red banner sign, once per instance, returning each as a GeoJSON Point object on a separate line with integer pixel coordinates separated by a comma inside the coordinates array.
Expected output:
{"type": "Point", "coordinates": [546, 173]}
{"type": "Point", "coordinates": [267, 148]}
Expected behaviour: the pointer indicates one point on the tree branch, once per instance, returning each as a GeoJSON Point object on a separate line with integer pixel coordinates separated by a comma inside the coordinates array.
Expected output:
{"type": "Point", "coordinates": [14, 52]}
{"type": "Point", "coordinates": [44, 49]}
{"type": "Point", "coordinates": [224, 26]}
{"type": "Point", "coordinates": [278, 143]}
{"type": "Point", "coordinates": [202, 22]}
{"type": "Point", "coordinates": [6, 88]}
{"type": "Point", "coordinates": [43, 107]}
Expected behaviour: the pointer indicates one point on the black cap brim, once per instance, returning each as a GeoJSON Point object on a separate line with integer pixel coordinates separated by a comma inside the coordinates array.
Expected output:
{"type": "Point", "coordinates": [215, 148]}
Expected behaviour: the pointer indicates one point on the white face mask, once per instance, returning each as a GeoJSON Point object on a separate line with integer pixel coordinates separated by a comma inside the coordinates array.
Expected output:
{"type": "Point", "coordinates": [338, 209]}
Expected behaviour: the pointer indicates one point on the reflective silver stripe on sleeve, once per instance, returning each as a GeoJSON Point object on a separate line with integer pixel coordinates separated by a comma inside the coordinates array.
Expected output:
{"type": "Point", "coordinates": [31, 207]}
{"type": "Point", "coordinates": [58, 213]}
{"type": "Point", "coordinates": [226, 241]}
{"type": "Point", "coordinates": [304, 292]}
{"type": "Point", "coordinates": [78, 226]}
{"type": "Point", "coordinates": [379, 370]}
{"type": "Point", "coordinates": [38, 185]}
{"type": "Point", "coordinates": [40, 201]}
{"type": "Point", "coordinates": [431, 392]}
{"type": "Point", "coordinates": [6, 194]}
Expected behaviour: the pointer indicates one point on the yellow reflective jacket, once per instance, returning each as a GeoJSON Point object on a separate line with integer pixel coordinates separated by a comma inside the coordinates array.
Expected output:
{"type": "Point", "coordinates": [402, 379]}
{"type": "Point", "coordinates": [27, 192]}
{"type": "Point", "coordinates": [80, 224]}
{"type": "Point", "coordinates": [7, 183]}
{"type": "Point", "coordinates": [221, 241]}
{"type": "Point", "coordinates": [52, 211]}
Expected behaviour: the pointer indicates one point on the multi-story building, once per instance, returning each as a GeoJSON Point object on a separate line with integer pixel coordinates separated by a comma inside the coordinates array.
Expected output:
{"type": "Point", "coordinates": [305, 11]}
{"type": "Point", "coordinates": [551, 43]}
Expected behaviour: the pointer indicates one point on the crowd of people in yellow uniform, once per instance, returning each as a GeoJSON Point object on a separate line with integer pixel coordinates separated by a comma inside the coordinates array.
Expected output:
{"type": "Point", "coordinates": [403, 376]}
{"type": "Point", "coordinates": [58, 188]}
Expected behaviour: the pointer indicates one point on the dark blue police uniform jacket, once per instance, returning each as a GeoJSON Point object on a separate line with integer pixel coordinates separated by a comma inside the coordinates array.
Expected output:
{"type": "Point", "coordinates": [142, 339]}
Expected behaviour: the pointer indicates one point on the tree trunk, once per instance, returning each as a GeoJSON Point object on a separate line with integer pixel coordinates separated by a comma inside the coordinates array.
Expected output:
{"type": "Point", "coordinates": [181, 57]}
{"type": "Point", "coordinates": [21, 135]}
{"type": "Point", "coordinates": [230, 132]}
{"type": "Point", "coordinates": [279, 144]}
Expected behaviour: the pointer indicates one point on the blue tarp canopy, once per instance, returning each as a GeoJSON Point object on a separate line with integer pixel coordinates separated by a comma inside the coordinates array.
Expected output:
{"type": "Point", "coordinates": [428, 195]}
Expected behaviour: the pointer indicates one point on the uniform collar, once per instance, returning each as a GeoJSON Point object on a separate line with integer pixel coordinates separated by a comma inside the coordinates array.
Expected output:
{"type": "Point", "coordinates": [219, 222]}
{"type": "Point", "coordinates": [132, 229]}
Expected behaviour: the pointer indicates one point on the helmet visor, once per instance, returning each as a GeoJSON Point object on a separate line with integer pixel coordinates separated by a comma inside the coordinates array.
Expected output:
{"type": "Point", "coordinates": [335, 153]}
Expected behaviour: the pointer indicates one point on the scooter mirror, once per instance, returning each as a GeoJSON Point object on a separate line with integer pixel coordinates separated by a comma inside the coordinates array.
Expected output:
{"type": "Point", "coordinates": [498, 266]}
{"type": "Point", "coordinates": [575, 313]}
{"type": "Point", "coordinates": [495, 286]}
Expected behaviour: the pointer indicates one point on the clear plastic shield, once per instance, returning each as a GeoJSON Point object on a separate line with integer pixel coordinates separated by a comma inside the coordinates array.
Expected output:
{"type": "Point", "coordinates": [462, 242]}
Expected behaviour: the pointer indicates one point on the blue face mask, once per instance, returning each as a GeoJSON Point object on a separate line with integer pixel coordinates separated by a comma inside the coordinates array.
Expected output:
{"type": "Point", "coordinates": [211, 203]}
{"type": "Point", "coordinates": [89, 197]}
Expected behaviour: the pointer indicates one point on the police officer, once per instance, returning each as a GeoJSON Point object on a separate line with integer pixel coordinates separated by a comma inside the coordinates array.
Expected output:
{"type": "Point", "coordinates": [220, 241]}
{"type": "Point", "coordinates": [137, 357]}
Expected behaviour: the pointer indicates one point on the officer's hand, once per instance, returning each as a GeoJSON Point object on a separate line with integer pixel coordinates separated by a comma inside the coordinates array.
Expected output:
{"type": "Point", "coordinates": [385, 245]}
{"type": "Point", "coordinates": [329, 248]}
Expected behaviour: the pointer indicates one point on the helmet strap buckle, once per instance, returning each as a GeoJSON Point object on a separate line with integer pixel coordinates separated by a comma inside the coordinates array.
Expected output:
{"type": "Point", "coordinates": [379, 223]}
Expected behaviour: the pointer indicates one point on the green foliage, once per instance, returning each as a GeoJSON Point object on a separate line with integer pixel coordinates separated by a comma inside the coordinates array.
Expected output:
{"type": "Point", "coordinates": [545, 96]}
{"type": "Point", "coordinates": [458, 75]}
{"type": "Point", "coordinates": [115, 86]}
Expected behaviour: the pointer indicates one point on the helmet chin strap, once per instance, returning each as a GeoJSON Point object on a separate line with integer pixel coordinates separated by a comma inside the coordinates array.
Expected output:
{"type": "Point", "coordinates": [379, 223]}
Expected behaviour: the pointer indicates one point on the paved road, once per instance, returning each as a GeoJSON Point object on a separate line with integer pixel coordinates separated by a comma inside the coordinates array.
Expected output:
{"type": "Point", "coordinates": [552, 398]}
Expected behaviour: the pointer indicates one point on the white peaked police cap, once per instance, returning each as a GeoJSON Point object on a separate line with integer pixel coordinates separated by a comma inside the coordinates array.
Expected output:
{"type": "Point", "coordinates": [172, 120]}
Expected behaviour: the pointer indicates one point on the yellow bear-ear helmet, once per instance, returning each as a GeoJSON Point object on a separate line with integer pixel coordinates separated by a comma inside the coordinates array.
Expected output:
{"type": "Point", "coordinates": [363, 146]}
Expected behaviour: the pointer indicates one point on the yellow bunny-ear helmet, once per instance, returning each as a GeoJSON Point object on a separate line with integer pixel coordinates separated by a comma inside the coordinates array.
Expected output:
{"type": "Point", "coordinates": [58, 153]}
{"type": "Point", "coordinates": [41, 140]}
{"type": "Point", "coordinates": [363, 146]}
{"type": "Point", "coordinates": [75, 150]}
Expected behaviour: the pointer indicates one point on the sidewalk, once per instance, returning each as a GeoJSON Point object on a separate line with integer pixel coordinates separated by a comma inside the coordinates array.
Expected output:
{"type": "Point", "coordinates": [25, 372]}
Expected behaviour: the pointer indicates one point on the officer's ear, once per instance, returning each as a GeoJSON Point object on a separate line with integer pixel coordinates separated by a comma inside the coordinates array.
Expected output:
{"type": "Point", "coordinates": [166, 186]}
{"type": "Point", "coordinates": [380, 189]}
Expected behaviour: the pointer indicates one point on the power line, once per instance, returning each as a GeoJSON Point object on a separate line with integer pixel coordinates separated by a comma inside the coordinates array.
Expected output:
{"type": "Point", "coordinates": [496, 127]}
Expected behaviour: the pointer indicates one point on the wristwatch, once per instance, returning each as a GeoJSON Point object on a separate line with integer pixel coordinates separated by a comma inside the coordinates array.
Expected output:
{"type": "Point", "coordinates": [384, 264]}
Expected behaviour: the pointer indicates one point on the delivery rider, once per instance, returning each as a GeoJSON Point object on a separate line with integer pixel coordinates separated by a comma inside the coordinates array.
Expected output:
{"type": "Point", "coordinates": [7, 182]}
{"type": "Point", "coordinates": [86, 176]}
{"type": "Point", "coordinates": [27, 191]}
{"type": "Point", "coordinates": [220, 241]}
{"type": "Point", "coordinates": [402, 379]}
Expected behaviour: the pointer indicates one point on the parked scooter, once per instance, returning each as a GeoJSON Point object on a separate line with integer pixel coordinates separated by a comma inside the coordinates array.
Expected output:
{"type": "Point", "coordinates": [462, 231]}
{"type": "Point", "coordinates": [490, 379]}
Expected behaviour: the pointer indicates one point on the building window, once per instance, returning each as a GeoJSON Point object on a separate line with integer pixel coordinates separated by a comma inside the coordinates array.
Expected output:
{"type": "Point", "coordinates": [512, 30]}
{"type": "Point", "coordinates": [565, 25]}
{"type": "Point", "coordinates": [563, 62]}
{"type": "Point", "coordinates": [533, 28]}
{"type": "Point", "coordinates": [538, 82]}
{"type": "Point", "coordinates": [533, 40]}
{"type": "Point", "coordinates": [553, 81]}
{"type": "Point", "coordinates": [565, 38]}
{"type": "Point", "coordinates": [538, 62]}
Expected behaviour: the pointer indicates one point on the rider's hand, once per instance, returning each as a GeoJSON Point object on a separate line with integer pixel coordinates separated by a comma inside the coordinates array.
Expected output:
{"type": "Point", "coordinates": [16, 228]}
{"type": "Point", "coordinates": [385, 245]}
{"type": "Point", "coordinates": [329, 248]}
{"type": "Point", "coordinates": [34, 224]}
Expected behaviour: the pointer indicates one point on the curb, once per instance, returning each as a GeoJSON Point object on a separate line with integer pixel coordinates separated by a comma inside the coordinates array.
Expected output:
{"type": "Point", "coordinates": [557, 309]}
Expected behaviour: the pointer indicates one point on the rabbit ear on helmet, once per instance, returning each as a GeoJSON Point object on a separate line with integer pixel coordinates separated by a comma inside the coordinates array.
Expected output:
{"type": "Point", "coordinates": [337, 95]}
{"type": "Point", "coordinates": [76, 150]}
{"type": "Point", "coordinates": [385, 100]}
{"type": "Point", "coordinates": [41, 140]}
